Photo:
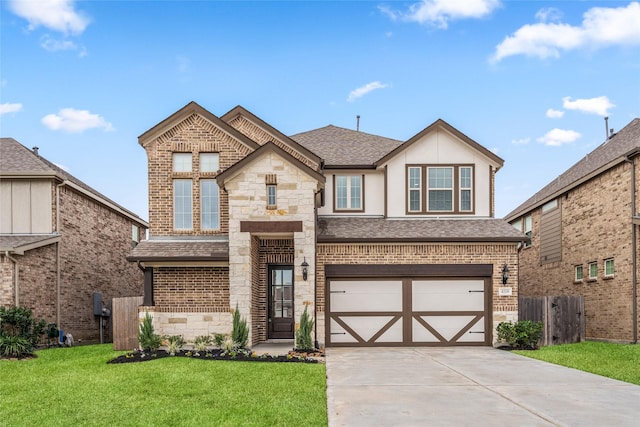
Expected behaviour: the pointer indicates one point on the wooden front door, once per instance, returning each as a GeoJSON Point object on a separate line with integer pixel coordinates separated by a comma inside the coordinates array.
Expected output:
{"type": "Point", "coordinates": [281, 322]}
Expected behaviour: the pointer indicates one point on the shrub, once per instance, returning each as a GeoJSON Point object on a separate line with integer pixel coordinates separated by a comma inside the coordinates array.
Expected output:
{"type": "Point", "coordinates": [522, 334]}
{"type": "Point", "coordinates": [174, 344]}
{"type": "Point", "coordinates": [149, 340]}
{"type": "Point", "coordinates": [19, 331]}
{"type": "Point", "coordinates": [202, 342]}
{"type": "Point", "coordinates": [303, 334]}
{"type": "Point", "coordinates": [218, 340]}
{"type": "Point", "coordinates": [240, 332]}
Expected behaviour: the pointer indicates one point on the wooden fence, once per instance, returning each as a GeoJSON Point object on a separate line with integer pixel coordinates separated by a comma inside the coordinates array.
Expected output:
{"type": "Point", "coordinates": [124, 315]}
{"type": "Point", "coordinates": [563, 317]}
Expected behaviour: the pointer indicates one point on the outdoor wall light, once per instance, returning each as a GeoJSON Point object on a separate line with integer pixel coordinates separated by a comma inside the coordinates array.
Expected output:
{"type": "Point", "coordinates": [505, 274]}
{"type": "Point", "coordinates": [305, 269]}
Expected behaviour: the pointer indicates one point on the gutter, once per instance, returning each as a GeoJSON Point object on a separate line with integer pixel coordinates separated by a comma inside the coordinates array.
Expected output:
{"type": "Point", "coordinates": [17, 279]}
{"type": "Point", "coordinates": [634, 249]}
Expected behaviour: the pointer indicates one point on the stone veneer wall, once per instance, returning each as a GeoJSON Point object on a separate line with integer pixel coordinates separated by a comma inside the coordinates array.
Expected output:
{"type": "Point", "coordinates": [505, 308]}
{"type": "Point", "coordinates": [7, 297]}
{"type": "Point", "coordinates": [596, 225]}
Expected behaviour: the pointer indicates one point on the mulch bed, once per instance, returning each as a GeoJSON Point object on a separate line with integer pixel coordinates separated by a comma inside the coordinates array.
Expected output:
{"type": "Point", "coordinates": [217, 354]}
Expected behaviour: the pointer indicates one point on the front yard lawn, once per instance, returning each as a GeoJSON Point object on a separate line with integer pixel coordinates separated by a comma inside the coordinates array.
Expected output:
{"type": "Point", "coordinates": [76, 386]}
{"type": "Point", "coordinates": [618, 361]}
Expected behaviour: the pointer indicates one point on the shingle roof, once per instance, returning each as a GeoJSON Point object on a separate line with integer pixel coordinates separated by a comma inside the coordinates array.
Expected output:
{"type": "Point", "coordinates": [21, 243]}
{"type": "Point", "coordinates": [159, 249]}
{"type": "Point", "coordinates": [18, 160]}
{"type": "Point", "coordinates": [344, 147]}
{"type": "Point", "coordinates": [416, 230]}
{"type": "Point", "coordinates": [607, 155]}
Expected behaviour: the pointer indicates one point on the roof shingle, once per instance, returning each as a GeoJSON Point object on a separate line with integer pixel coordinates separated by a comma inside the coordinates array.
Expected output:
{"type": "Point", "coordinates": [180, 250]}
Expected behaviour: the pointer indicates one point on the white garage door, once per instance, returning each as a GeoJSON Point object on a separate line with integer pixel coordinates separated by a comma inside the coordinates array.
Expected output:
{"type": "Point", "coordinates": [407, 312]}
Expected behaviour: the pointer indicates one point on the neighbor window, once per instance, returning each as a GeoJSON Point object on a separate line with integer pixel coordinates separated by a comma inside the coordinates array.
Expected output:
{"type": "Point", "coordinates": [348, 192]}
{"type": "Point", "coordinates": [272, 196]}
{"type": "Point", "coordinates": [608, 267]}
{"type": "Point", "coordinates": [466, 181]}
{"type": "Point", "coordinates": [210, 204]}
{"type": "Point", "coordinates": [209, 162]}
{"type": "Point", "coordinates": [182, 211]}
{"type": "Point", "coordinates": [579, 274]}
{"type": "Point", "coordinates": [593, 270]}
{"type": "Point", "coordinates": [415, 189]}
{"type": "Point", "coordinates": [135, 233]}
{"type": "Point", "coordinates": [526, 229]}
{"type": "Point", "coordinates": [550, 205]}
{"type": "Point", "coordinates": [440, 189]}
{"type": "Point", "coordinates": [182, 162]}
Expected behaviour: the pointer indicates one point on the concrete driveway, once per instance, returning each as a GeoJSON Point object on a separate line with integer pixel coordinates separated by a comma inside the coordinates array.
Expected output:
{"type": "Point", "coordinates": [469, 386]}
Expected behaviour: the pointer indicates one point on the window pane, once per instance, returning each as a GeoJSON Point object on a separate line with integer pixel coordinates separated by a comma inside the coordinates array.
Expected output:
{"type": "Point", "coordinates": [341, 192]}
{"type": "Point", "coordinates": [182, 218]}
{"type": "Point", "coordinates": [517, 225]}
{"type": "Point", "coordinates": [465, 177]}
{"type": "Point", "coordinates": [414, 200]}
{"type": "Point", "coordinates": [209, 162]}
{"type": "Point", "coordinates": [593, 270]}
{"type": "Point", "coordinates": [271, 195]}
{"type": "Point", "coordinates": [356, 192]}
{"type": "Point", "coordinates": [608, 267]}
{"type": "Point", "coordinates": [527, 224]}
{"type": "Point", "coordinates": [209, 194]}
{"type": "Point", "coordinates": [414, 178]}
{"type": "Point", "coordinates": [579, 273]}
{"type": "Point", "coordinates": [182, 162]}
{"type": "Point", "coordinates": [440, 200]}
{"type": "Point", "coordinates": [440, 178]}
{"type": "Point", "coordinates": [465, 200]}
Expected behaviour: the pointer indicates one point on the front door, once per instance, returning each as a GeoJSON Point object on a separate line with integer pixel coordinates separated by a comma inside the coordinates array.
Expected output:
{"type": "Point", "coordinates": [281, 302]}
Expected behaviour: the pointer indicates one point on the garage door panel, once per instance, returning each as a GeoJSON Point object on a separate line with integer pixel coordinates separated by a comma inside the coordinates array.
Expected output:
{"type": "Point", "coordinates": [367, 326]}
{"type": "Point", "coordinates": [340, 335]}
{"type": "Point", "coordinates": [365, 296]}
{"type": "Point", "coordinates": [421, 334]}
{"type": "Point", "coordinates": [475, 334]}
{"type": "Point", "coordinates": [448, 295]}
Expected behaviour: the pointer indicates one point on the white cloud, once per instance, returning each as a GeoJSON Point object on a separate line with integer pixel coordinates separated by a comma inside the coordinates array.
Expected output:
{"type": "Point", "coordinates": [554, 114]}
{"type": "Point", "coordinates": [549, 14]}
{"type": "Point", "coordinates": [601, 26]}
{"type": "Point", "coordinates": [53, 45]}
{"type": "Point", "coordinates": [363, 90]}
{"type": "Point", "coordinates": [7, 108]}
{"type": "Point", "coordinates": [438, 13]}
{"type": "Point", "coordinates": [57, 15]}
{"type": "Point", "coordinates": [521, 141]}
{"type": "Point", "coordinates": [557, 137]}
{"type": "Point", "coordinates": [75, 121]}
{"type": "Point", "coordinates": [599, 105]}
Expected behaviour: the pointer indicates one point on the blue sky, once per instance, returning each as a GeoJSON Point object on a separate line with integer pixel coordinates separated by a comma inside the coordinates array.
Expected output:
{"type": "Point", "coordinates": [530, 80]}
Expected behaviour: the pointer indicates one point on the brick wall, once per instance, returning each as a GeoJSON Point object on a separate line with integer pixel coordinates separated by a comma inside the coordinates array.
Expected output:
{"type": "Point", "coordinates": [505, 308]}
{"type": "Point", "coordinates": [596, 226]}
{"type": "Point", "coordinates": [191, 289]}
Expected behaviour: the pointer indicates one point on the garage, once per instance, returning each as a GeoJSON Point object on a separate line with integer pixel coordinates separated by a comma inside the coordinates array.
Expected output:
{"type": "Point", "coordinates": [408, 305]}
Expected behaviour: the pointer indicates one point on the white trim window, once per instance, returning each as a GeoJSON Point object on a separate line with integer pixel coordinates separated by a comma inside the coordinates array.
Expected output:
{"type": "Point", "coordinates": [440, 189]}
{"type": "Point", "coordinates": [182, 162]}
{"type": "Point", "coordinates": [209, 162]}
{"type": "Point", "coordinates": [579, 273]}
{"type": "Point", "coordinates": [466, 189]}
{"type": "Point", "coordinates": [272, 196]}
{"type": "Point", "coordinates": [182, 204]}
{"type": "Point", "coordinates": [527, 227]}
{"type": "Point", "coordinates": [593, 270]}
{"type": "Point", "coordinates": [415, 189]}
{"type": "Point", "coordinates": [210, 205]}
{"type": "Point", "coordinates": [609, 268]}
{"type": "Point", "coordinates": [348, 192]}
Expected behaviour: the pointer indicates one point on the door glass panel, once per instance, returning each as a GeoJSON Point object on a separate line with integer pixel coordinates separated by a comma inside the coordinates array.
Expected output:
{"type": "Point", "coordinates": [282, 292]}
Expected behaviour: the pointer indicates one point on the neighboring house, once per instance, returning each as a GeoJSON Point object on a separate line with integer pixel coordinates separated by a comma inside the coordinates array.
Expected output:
{"type": "Point", "coordinates": [386, 242]}
{"type": "Point", "coordinates": [60, 242]}
{"type": "Point", "coordinates": [584, 236]}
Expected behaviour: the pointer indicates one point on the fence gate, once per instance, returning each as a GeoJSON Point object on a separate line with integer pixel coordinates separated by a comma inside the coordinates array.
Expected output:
{"type": "Point", "coordinates": [563, 317]}
{"type": "Point", "coordinates": [124, 315]}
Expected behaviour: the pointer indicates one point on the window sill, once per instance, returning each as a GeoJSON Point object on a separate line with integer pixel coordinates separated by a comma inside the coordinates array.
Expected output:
{"type": "Point", "coordinates": [578, 282]}
{"type": "Point", "coordinates": [592, 280]}
{"type": "Point", "coordinates": [608, 277]}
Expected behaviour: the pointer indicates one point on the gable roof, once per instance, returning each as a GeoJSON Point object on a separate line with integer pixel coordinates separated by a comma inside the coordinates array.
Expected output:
{"type": "Point", "coordinates": [17, 161]}
{"type": "Point", "coordinates": [184, 113]}
{"type": "Point", "coordinates": [613, 151]}
{"type": "Point", "coordinates": [266, 148]}
{"type": "Point", "coordinates": [455, 132]}
{"type": "Point", "coordinates": [238, 110]}
{"type": "Point", "coordinates": [345, 147]}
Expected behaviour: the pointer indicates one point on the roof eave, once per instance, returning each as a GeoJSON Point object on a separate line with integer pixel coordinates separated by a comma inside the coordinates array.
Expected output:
{"type": "Point", "coordinates": [510, 239]}
{"type": "Point", "coordinates": [151, 258]}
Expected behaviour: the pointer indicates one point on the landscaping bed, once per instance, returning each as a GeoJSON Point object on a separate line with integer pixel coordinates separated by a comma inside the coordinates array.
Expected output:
{"type": "Point", "coordinates": [218, 354]}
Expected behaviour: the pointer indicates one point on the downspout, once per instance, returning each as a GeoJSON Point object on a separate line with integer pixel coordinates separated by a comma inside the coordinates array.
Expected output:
{"type": "Point", "coordinates": [15, 274]}
{"type": "Point", "coordinates": [315, 276]}
{"type": "Point", "coordinates": [634, 251]}
{"type": "Point", "coordinates": [58, 318]}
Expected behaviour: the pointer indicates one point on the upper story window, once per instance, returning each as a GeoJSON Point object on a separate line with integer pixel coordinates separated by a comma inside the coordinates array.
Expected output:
{"type": "Point", "coordinates": [182, 204]}
{"type": "Point", "coordinates": [609, 268]}
{"type": "Point", "coordinates": [272, 199]}
{"type": "Point", "coordinates": [209, 162]}
{"type": "Point", "coordinates": [440, 189]}
{"type": "Point", "coordinates": [550, 205]}
{"type": "Point", "coordinates": [524, 224]}
{"type": "Point", "coordinates": [579, 274]}
{"type": "Point", "coordinates": [182, 162]}
{"type": "Point", "coordinates": [593, 270]}
{"type": "Point", "coordinates": [135, 233]}
{"type": "Point", "coordinates": [209, 205]}
{"type": "Point", "coordinates": [349, 192]}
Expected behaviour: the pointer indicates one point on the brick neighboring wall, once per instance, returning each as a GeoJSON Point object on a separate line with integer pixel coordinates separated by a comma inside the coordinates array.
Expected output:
{"type": "Point", "coordinates": [191, 289]}
{"type": "Point", "coordinates": [596, 226]}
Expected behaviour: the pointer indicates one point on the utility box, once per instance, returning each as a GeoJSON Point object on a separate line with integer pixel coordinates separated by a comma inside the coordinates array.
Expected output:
{"type": "Point", "coordinates": [98, 305]}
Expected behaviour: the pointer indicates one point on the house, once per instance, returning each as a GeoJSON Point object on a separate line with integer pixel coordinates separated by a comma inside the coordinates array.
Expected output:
{"type": "Point", "coordinates": [584, 236]}
{"type": "Point", "coordinates": [61, 242]}
{"type": "Point", "coordinates": [385, 242]}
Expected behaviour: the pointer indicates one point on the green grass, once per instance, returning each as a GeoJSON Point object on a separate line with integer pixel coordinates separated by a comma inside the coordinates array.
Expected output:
{"type": "Point", "coordinates": [75, 386]}
{"type": "Point", "coordinates": [618, 361]}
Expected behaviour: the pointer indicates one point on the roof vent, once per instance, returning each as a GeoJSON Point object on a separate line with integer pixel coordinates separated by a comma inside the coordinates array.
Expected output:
{"type": "Point", "coordinates": [35, 151]}
{"type": "Point", "coordinates": [358, 123]}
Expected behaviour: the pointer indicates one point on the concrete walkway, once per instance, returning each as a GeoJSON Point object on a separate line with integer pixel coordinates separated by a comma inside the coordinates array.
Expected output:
{"type": "Point", "coordinates": [469, 386]}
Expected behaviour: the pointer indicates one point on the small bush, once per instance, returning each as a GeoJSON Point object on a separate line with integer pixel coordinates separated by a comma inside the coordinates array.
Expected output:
{"type": "Point", "coordinates": [218, 340]}
{"type": "Point", "coordinates": [240, 332]}
{"type": "Point", "coordinates": [174, 344]}
{"type": "Point", "coordinates": [303, 334]}
{"type": "Point", "coordinates": [202, 342]}
{"type": "Point", "coordinates": [229, 344]}
{"type": "Point", "coordinates": [524, 334]}
{"type": "Point", "coordinates": [149, 340]}
{"type": "Point", "coordinates": [19, 331]}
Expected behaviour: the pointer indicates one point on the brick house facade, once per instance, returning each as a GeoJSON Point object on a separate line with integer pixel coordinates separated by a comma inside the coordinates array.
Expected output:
{"type": "Point", "coordinates": [584, 237]}
{"type": "Point", "coordinates": [73, 243]}
{"type": "Point", "coordinates": [296, 218]}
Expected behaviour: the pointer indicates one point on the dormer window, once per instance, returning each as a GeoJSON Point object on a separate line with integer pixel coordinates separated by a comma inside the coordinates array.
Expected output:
{"type": "Point", "coordinates": [438, 189]}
